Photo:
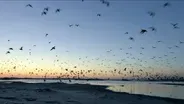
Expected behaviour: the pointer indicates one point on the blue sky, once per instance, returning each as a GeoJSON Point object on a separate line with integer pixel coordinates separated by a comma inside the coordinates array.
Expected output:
{"type": "Point", "coordinates": [95, 35]}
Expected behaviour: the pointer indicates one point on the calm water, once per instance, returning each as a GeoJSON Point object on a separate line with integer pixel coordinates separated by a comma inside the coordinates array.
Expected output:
{"type": "Point", "coordinates": [133, 87]}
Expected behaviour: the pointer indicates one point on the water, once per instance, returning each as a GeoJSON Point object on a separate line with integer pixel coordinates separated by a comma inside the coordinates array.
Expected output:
{"type": "Point", "coordinates": [132, 87]}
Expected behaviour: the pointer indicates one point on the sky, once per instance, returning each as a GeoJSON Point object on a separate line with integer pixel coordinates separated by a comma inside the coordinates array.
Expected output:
{"type": "Point", "coordinates": [25, 26]}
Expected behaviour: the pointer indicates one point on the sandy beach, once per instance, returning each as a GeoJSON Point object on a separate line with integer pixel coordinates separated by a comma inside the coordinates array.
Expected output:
{"type": "Point", "coordinates": [60, 93]}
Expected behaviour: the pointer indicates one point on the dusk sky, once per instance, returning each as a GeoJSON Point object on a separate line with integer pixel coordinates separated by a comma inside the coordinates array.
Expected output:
{"type": "Point", "coordinates": [25, 26]}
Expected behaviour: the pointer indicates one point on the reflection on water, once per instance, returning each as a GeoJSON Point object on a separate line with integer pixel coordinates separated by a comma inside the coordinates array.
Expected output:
{"type": "Point", "coordinates": [132, 87]}
{"type": "Point", "coordinates": [153, 89]}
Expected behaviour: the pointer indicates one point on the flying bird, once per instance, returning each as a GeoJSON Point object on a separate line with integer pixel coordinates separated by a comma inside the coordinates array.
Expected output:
{"type": "Point", "coordinates": [175, 25]}
{"type": "Point", "coordinates": [181, 42]}
{"type": "Point", "coordinates": [131, 38]}
{"type": "Point", "coordinates": [176, 46]}
{"type": "Point", "coordinates": [103, 1]}
{"type": "Point", "coordinates": [46, 35]}
{"type": "Point", "coordinates": [29, 5]}
{"type": "Point", "coordinates": [14, 67]}
{"type": "Point", "coordinates": [46, 9]}
{"type": "Point", "coordinates": [166, 4]}
{"type": "Point", "coordinates": [10, 48]}
{"type": "Point", "coordinates": [21, 48]}
{"type": "Point", "coordinates": [53, 48]}
{"type": "Point", "coordinates": [8, 52]}
{"type": "Point", "coordinates": [130, 48]}
{"type": "Point", "coordinates": [77, 25]}
{"type": "Point", "coordinates": [98, 15]}
{"type": "Point", "coordinates": [44, 13]}
{"type": "Point", "coordinates": [126, 32]}
{"type": "Point", "coordinates": [107, 3]}
{"type": "Point", "coordinates": [153, 28]}
{"type": "Point", "coordinates": [58, 10]}
{"type": "Point", "coordinates": [143, 31]}
{"type": "Point", "coordinates": [152, 14]}
{"type": "Point", "coordinates": [70, 25]}
{"type": "Point", "coordinates": [159, 41]}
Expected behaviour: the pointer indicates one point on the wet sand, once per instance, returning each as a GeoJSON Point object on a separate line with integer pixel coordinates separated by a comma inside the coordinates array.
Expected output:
{"type": "Point", "coordinates": [59, 93]}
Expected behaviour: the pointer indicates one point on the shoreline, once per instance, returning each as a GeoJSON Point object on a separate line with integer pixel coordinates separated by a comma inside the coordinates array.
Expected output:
{"type": "Point", "coordinates": [61, 93]}
{"type": "Point", "coordinates": [91, 79]}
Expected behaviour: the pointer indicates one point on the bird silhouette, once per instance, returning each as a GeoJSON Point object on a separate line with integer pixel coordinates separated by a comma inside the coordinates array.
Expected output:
{"type": "Point", "coordinates": [70, 25]}
{"type": "Point", "coordinates": [77, 25]}
{"type": "Point", "coordinates": [10, 48]}
{"type": "Point", "coordinates": [142, 47]}
{"type": "Point", "coordinates": [107, 3]}
{"type": "Point", "coordinates": [176, 46]}
{"type": "Point", "coordinates": [131, 38]}
{"type": "Point", "coordinates": [143, 31]}
{"type": "Point", "coordinates": [130, 48]}
{"type": "Point", "coordinates": [29, 5]}
{"type": "Point", "coordinates": [44, 13]}
{"type": "Point", "coordinates": [126, 32]}
{"type": "Point", "coordinates": [53, 48]}
{"type": "Point", "coordinates": [153, 28]}
{"type": "Point", "coordinates": [14, 67]}
{"type": "Point", "coordinates": [175, 25]}
{"type": "Point", "coordinates": [8, 52]}
{"type": "Point", "coordinates": [166, 4]}
{"type": "Point", "coordinates": [21, 48]}
{"type": "Point", "coordinates": [46, 9]}
{"type": "Point", "coordinates": [58, 10]}
{"type": "Point", "coordinates": [98, 15]}
{"type": "Point", "coordinates": [152, 14]}
{"type": "Point", "coordinates": [181, 42]}
{"type": "Point", "coordinates": [49, 42]}
{"type": "Point", "coordinates": [103, 1]}
{"type": "Point", "coordinates": [46, 35]}
{"type": "Point", "coordinates": [159, 41]}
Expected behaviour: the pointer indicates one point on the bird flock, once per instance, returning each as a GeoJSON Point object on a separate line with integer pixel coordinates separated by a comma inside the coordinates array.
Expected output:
{"type": "Point", "coordinates": [124, 69]}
